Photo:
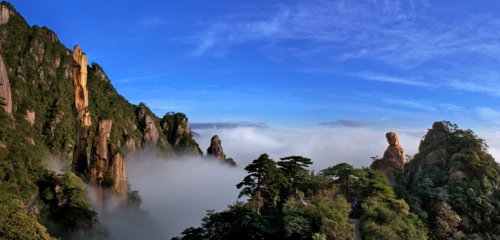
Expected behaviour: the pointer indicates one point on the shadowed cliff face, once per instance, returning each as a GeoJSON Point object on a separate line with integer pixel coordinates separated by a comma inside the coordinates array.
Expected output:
{"type": "Point", "coordinates": [83, 115]}
{"type": "Point", "coordinates": [392, 163]}
{"type": "Point", "coordinates": [215, 149]}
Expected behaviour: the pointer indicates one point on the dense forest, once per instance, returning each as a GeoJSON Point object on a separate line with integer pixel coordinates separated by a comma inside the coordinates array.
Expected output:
{"type": "Point", "coordinates": [448, 190]}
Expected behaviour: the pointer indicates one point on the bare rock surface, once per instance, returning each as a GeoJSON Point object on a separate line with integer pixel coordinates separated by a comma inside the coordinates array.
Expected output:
{"type": "Point", "coordinates": [30, 116]}
{"type": "Point", "coordinates": [150, 131]}
{"type": "Point", "coordinates": [4, 85]}
{"type": "Point", "coordinates": [5, 15]}
{"type": "Point", "coordinates": [83, 115]}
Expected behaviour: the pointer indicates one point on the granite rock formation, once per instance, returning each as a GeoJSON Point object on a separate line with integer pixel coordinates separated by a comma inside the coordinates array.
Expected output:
{"type": "Point", "coordinates": [4, 84]}
{"type": "Point", "coordinates": [105, 159]}
{"type": "Point", "coordinates": [215, 149]}
{"type": "Point", "coordinates": [178, 132]}
{"type": "Point", "coordinates": [150, 132]}
{"type": "Point", "coordinates": [392, 163]}
{"type": "Point", "coordinates": [83, 115]}
{"type": "Point", "coordinates": [5, 15]}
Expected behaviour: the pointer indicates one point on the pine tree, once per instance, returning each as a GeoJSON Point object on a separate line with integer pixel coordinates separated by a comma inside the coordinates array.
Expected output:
{"type": "Point", "coordinates": [264, 179]}
{"type": "Point", "coordinates": [293, 167]}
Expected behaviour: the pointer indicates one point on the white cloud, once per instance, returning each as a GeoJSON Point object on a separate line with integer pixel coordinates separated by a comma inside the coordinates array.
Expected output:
{"type": "Point", "coordinates": [410, 104]}
{"type": "Point", "coordinates": [384, 78]}
{"type": "Point", "coordinates": [489, 114]}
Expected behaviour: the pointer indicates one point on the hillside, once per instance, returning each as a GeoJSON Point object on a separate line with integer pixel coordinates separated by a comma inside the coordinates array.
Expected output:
{"type": "Point", "coordinates": [38, 123]}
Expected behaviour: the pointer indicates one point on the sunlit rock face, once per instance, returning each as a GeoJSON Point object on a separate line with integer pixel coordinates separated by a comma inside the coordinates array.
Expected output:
{"type": "Point", "coordinates": [106, 160]}
{"type": "Point", "coordinates": [150, 131]}
{"type": "Point", "coordinates": [83, 115]}
{"type": "Point", "coordinates": [215, 149]}
{"type": "Point", "coordinates": [5, 86]}
{"type": "Point", "coordinates": [392, 163]}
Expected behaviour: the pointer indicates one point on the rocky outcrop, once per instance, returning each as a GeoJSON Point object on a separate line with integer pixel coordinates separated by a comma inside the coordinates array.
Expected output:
{"type": "Point", "coordinates": [83, 115]}
{"type": "Point", "coordinates": [392, 163]}
{"type": "Point", "coordinates": [99, 153]}
{"type": "Point", "coordinates": [176, 128]}
{"type": "Point", "coordinates": [5, 15]}
{"type": "Point", "coordinates": [117, 169]}
{"type": "Point", "coordinates": [435, 136]}
{"type": "Point", "coordinates": [149, 129]}
{"type": "Point", "coordinates": [30, 117]}
{"type": "Point", "coordinates": [4, 84]}
{"type": "Point", "coordinates": [106, 162]}
{"type": "Point", "coordinates": [215, 149]}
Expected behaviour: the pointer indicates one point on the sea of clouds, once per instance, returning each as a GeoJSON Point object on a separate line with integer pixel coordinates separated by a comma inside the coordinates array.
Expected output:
{"type": "Point", "coordinates": [177, 191]}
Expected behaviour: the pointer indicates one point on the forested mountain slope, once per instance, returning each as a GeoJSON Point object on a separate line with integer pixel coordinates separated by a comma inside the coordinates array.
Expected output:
{"type": "Point", "coordinates": [38, 122]}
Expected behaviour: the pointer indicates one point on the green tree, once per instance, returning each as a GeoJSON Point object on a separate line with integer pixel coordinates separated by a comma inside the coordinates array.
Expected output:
{"type": "Point", "coordinates": [294, 167]}
{"type": "Point", "coordinates": [264, 179]}
{"type": "Point", "coordinates": [343, 174]}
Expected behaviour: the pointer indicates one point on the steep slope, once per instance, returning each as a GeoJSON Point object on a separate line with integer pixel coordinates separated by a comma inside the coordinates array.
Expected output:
{"type": "Point", "coordinates": [46, 113]}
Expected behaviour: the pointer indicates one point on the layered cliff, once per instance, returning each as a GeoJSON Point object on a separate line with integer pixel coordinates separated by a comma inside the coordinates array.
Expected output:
{"type": "Point", "coordinates": [392, 163]}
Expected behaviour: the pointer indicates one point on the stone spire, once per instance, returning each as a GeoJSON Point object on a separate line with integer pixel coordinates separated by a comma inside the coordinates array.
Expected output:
{"type": "Point", "coordinates": [392, 163]}
{"type": "Point", "coordinates": [83, 115]}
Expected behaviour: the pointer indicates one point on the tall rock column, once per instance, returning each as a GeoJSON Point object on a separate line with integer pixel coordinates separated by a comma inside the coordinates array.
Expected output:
{"type": "Point", "coordinates": [83, 116]}
{"type": "Point", "coordinates": [392, 163]}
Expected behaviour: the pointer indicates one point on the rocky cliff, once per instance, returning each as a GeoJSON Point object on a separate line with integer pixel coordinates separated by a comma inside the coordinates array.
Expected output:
{"type": "Point", "coordinates": [178, 132]}
{"type": "Point", "coordinates": [107, 176]}
{"type": "Point", "coordinates": [215, 149]}
{"type": "Point", "coordinates": [392, 163]}
{"type": "Point", "coordinates": [83, 121]}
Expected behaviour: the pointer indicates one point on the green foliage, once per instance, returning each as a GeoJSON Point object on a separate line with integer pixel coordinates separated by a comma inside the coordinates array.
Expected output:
{"type": "Point", "coordinates": [237, 222]}
{"type": "Point", "coordinates": [380, 221]}
{"type": "Point", "coordinates": [294, 167]}
{"type": "Point", "coordinates": [67, 210]}
{"type": "Point", "coordinates": [323, 215]}
{"type": "Point", "coordinates": [107, 180]}
{"type": "Point", "coordinates": [458, 196]}
{"type": "Point", "coordinates": [264, 180]}
{"type": "Point", "coordinates": [15, 223]}
{"type": "Point", "coordinates": [344, 174]}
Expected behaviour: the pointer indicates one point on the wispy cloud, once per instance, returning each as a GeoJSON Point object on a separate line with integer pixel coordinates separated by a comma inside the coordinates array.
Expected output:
{"type": "Point", "coordinates": [351, 123]}
{"type": "Point", "coordinates": [403, 34]}
{"type": "Point", "coordinates": [152, 21]}
{"type": "Point", "coordinates": [489, 114]}
{"type": "Point", "coordinates": [411, 104]}
{"type": "Point", "coordinates": [371, 76]}
{"type": "Point", "coordinates": [227, 125]}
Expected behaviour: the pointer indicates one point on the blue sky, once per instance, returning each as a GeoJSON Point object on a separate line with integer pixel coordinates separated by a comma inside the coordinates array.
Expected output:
{"type": "Point", "coordinates": [342, 63]}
